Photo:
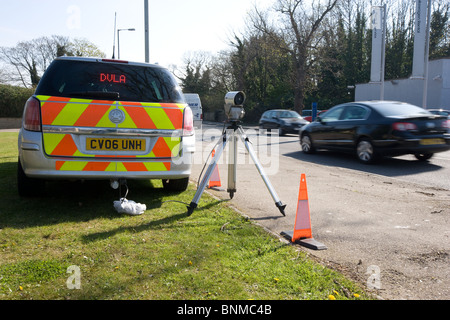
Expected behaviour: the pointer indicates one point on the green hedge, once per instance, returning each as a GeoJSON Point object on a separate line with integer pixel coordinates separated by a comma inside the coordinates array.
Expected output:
{"type": "Point", "coordinates": [12, 100]}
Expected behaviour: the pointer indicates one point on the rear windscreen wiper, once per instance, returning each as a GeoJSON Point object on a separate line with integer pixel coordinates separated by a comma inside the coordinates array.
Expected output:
{"type": "Point", "coordinates": [96, 94]}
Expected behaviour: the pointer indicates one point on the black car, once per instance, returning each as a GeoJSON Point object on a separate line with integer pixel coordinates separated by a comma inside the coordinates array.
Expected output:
{"type": "Point", "coordinates": [287, 121]}
{"type": "Point", "coordinates": [376, 128]}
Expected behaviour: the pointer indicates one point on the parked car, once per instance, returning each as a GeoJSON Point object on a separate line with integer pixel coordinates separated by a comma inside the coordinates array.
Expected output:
{"type": "Point", "coordinates": [306, 113]}
{"type": "Point", "coordinates": [105, 119]}
{"type": "Point", "coordinates": [376, 128]}
{"type": "Point", "coordinates": [441, 112]}
{"type": "Point", "coordinates": [309, 118]}
{"type": "Point", "coordinates": [286, 121]}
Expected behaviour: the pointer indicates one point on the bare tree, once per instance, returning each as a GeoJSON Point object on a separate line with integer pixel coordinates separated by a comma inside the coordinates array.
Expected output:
{"type": "Point", "coordinates": [23, 60]}
{"type": "Point", "coordinates": [298, 24]}
{"type": "Point", "coordinates": [301, 27]}
{"type": "Point", "coordinates": [28, 60]}
{"type": "Point", "coordinates": [83, 48]}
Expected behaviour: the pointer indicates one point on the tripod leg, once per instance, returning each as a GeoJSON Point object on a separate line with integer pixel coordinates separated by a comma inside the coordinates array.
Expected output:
{"type": "Point", "coordinates": [258, 165]}
{"type": "Point", "coordinates": [207, 176]}
{"type": "Point", "coordinates": [232, 161]}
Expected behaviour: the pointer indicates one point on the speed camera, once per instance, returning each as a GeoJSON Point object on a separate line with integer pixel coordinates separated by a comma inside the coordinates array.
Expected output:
{"type": "Point", "coordinates": [234, 105]}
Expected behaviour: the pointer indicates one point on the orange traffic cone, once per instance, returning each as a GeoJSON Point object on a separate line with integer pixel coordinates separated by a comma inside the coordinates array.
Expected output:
{"type": "Point", "coordinates": [302, 229]}
{"type": "Point", "coordinates": [214, 181]}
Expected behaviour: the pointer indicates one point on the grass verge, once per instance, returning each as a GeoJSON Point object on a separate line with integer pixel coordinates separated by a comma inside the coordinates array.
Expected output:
{"type": "Point", "coordinates": [163, 254]}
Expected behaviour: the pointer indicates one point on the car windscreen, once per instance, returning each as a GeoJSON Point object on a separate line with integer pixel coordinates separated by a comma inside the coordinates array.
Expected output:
{"type": "Point", "coordinates": [288, 114]}
{"type": "Point", "coordinates": [109, 81]}
{"type": "Point", "coordinates": [400, 110]}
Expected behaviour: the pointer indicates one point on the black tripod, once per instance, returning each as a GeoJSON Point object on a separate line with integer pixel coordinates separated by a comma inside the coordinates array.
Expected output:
{"type": "Point", "coordinates": [231, 134]}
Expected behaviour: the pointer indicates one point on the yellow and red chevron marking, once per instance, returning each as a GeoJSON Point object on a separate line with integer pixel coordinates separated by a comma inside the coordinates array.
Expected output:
{"type": "Point", "coordinates": [74, 112]}
{"type": "Point", "coordinates": [60, 111]}
{"type": "Point", "coordinates": [63, 145]}
{"type": "Point", "coordinates": [90, 166]}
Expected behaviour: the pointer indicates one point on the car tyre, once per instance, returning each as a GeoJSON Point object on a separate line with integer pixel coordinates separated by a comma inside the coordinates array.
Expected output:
{"type": "Point", "coordinates": [307, 145]}
{"type": "Point", "coordinates": [365, 151]}
{"type": "Point", "coordinates": [28, 187]}
{"type": "Point", "coordinates": [175, 185]}
{"type": "Point", "coordinates": [423, 156]}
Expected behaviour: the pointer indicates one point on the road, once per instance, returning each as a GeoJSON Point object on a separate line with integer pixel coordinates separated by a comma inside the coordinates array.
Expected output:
{"type": "Point", "coordinates": [385, 225]}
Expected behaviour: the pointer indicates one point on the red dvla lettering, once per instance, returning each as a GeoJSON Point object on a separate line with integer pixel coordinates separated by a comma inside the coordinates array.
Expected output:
{"type": "Point", "coordinates": [111, 77]}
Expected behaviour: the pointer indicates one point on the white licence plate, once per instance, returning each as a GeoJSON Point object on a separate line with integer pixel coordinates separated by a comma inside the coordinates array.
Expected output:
{"type": "Point", "coordinates": [113, 144]}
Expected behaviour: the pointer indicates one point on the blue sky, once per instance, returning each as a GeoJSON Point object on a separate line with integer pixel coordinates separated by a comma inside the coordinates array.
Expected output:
{"type": "Point", "coordinates": [176, 26]}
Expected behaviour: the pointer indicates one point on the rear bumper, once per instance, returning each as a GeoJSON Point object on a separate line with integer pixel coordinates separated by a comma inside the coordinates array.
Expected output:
{"type": "Point", "coordinates": [412, 146]}
{"type": "Point", "coordinates": [36, 164]}
{"type": "Point", "coordinates": [289, 129]}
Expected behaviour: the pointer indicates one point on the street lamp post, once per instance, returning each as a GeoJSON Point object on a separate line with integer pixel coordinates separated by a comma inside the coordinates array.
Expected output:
{"type": "Point", "coordinates": [118, 39]}
{"type": "Point", "coordinates": [147, 45]}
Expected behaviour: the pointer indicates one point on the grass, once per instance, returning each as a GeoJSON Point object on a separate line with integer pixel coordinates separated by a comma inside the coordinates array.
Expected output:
{"type": "Point", "coordinates": [163, 254]}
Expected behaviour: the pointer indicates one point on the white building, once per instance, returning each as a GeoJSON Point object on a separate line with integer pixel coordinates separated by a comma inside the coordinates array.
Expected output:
{"type": "Point", "coordinates": [412, 90]}
{"type": "Point", "coordinates": [435, 74]}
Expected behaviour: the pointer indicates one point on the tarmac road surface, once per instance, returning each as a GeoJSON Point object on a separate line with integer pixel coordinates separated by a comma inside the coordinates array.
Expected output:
{"type": "Point", "coordinates": [385, 225]}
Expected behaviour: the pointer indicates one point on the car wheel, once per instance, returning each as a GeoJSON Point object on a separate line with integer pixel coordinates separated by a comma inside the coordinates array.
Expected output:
{"type": "Point", "coordinates": [28, 187]}
{"type": "Point", "coordinates": [307, 145]}
{"type": "Point", "coordinates": [365, 151]}
{"type": "Point", "coordinates": [176, 185]}
{"type": "Point", "coordinates": [423, 156]}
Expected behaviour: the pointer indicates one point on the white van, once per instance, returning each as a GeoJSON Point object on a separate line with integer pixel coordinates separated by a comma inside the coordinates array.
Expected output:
{"type": "Point", "coordinates": [193, 100]}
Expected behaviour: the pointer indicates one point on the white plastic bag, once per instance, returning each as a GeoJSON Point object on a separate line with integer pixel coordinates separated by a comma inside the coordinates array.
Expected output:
{"type": "Point", "coordinates": [129, 207]}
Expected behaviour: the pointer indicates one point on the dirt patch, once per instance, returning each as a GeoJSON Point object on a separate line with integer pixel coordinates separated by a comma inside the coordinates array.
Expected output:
{"type": "Point", "coordinates": [426, 258]}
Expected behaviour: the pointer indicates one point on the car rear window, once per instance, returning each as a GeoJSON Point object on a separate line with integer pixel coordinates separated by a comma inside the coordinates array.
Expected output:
{"type": "Point", "coordinates": [109, 81]}
{"type": "Point", "coordinates": [289, 114]}
{"type": "Point", "coordinates": [400, 109]}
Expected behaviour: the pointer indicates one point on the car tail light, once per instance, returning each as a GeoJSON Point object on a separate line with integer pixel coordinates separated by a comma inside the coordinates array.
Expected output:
{"type": "Point", "coordinates": [404, 126]}
{"type": "Point", "coordinates": [188, 122]}
{"type": "Point", "coordinates": [32, 115]}
{"type": "Point", "coordinates": [446, 124]}
{"type": "Point", "coordinates": [116, 61]}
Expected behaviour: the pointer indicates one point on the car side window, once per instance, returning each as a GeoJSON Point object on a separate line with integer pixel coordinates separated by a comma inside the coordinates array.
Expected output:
{"type": "Point", "coordinates": [354, 113]}
{"type": "Point", "coordinates": [333, 114]}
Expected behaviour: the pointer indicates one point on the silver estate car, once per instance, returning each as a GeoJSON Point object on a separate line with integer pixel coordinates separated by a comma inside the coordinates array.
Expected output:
{"type": "Point", "coordinates": [105, 119]}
